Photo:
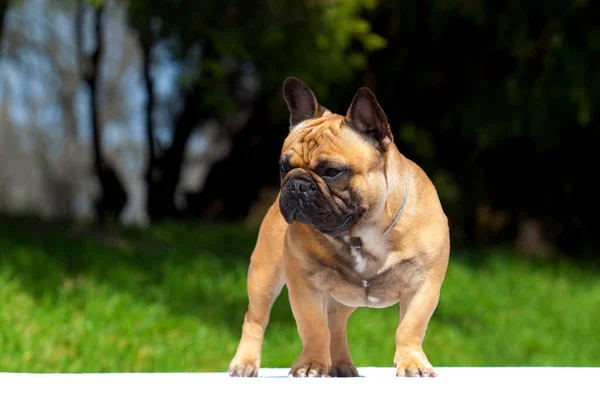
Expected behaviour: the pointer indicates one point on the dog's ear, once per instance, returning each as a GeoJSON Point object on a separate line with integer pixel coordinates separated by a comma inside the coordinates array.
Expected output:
{"type": "Point", "coordinates": [366, 116]}
{"type": "Point", "coordinates": [301, 101]}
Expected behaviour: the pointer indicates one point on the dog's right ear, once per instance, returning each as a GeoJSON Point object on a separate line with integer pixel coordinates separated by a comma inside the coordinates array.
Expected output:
{"type": "Point", "coordinates": [367, 117]}
{"type": "Point", "coordinates": [301, 101]}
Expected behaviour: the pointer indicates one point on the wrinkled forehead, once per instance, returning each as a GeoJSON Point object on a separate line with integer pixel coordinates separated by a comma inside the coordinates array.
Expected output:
{"type": "Point", "coordinates": [324, 139]}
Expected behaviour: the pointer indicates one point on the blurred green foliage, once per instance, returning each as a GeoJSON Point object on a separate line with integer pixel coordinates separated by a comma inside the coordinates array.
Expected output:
{"type": "Point", "coordinates": [469, 87]}
{"type": "Point", "coordinates": [498, 101]}
{"type": "Point", "coordinates": [173, 299]}
{"type": "Point", "coordinates": [280, 38]}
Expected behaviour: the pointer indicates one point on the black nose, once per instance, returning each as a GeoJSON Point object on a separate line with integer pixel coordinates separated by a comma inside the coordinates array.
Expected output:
{"type": "Point", "coordinates": [300, 185]}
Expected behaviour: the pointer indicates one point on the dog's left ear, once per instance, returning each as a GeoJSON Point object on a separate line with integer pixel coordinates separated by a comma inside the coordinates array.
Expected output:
{"type": "Point", "coordinates": [367, 117]}
{"type": "Point", "coordinates": [301, 101]}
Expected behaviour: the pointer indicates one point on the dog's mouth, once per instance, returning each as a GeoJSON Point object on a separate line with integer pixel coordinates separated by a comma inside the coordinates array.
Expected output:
{"type": "Point", "coordinates": [305, 204]}
{"type": "Point", "coordinates": [301, 216]}
{"type": "Point", "coordinates": [348, 222]}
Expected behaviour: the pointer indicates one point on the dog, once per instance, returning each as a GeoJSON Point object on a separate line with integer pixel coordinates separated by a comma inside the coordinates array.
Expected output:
{"type": "Point", "coordinates": [355, 224]}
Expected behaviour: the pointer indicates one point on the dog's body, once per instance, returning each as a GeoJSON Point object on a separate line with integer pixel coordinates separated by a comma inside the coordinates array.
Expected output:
{"type": "Point", "coordinates": [356, 224]}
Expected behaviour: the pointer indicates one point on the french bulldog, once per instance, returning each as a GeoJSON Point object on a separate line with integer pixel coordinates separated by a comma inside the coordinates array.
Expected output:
{"type": "Point", "coordinates": [355, 224]}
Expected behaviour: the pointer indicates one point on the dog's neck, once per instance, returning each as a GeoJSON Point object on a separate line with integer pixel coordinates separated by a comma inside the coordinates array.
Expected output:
{"type": "Point", "coordinates": [403, 205]}
{"type": "Point", "coordinates": [399, 182]}
{"type": "Point", "coordinates": [396, 196]}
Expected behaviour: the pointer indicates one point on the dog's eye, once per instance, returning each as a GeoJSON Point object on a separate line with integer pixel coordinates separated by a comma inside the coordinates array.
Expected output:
{"type": "Point", "coordinates": [331, 172]}
{"type": "Point", "coordinates": [284, 168]}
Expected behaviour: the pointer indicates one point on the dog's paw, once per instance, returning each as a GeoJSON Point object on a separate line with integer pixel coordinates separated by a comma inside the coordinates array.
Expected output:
{"type": "Point", "coordinates": [343, 369]}
{"type": "Point", "coordinates": [309, 369]}
{"type": "Point", "coordinates": [243, 369]}
{"type": "Point", "coordinates": [412, 362]}
{"type": "Point", "coordinates": [415, 370]}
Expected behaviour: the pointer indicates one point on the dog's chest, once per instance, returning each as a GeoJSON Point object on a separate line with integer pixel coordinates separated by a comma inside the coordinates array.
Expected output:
{"type": "Point", "coordinates": [377, 292]}
{"type": "Point", "coordinates": [359, 257]}
{"type": "Point", "coordinates": [362, 254]}
{"type": "Point", "coordinates": [364, 279]}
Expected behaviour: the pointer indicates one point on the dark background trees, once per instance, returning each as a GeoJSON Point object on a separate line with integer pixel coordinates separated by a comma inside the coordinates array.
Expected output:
{"type": "Point", "coordinates": [497, 101]}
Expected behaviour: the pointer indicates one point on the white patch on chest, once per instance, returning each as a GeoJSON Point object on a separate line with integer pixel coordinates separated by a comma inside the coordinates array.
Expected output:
{"type": "Point", "coordinates": [373, 299]}
{"type": "Point", "coordinates": [360, 262]}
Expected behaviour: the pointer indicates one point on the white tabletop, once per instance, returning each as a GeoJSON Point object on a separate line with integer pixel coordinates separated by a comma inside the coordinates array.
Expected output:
{"type": "Point", "coordinates": [477, 383]}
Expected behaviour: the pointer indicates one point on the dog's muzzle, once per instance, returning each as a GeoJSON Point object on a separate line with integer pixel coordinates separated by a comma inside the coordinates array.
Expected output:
{"type": "Point", "coordinates": [297, 194]}
{"type": "Point", "coordinates": [302, 201]}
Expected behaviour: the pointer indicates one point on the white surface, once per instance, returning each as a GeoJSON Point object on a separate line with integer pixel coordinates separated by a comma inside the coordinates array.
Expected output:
{"type": "Point", "coordinates": [476, 383]}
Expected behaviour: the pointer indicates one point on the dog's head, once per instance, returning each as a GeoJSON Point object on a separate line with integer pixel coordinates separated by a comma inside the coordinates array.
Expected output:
{"type": "Point", "coordinates": [332, 166]}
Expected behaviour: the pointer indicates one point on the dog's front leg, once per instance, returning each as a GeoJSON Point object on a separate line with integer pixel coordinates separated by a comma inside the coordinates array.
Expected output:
{"type": "Point", "coordinates": [416, 310]}
{"type": "Point", "coordinates": [309, 306]}
{"type": "Point", "coordinates": [417, 305]}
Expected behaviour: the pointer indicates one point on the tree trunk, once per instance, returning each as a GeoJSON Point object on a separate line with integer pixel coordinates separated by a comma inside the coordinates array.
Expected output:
{"type": "Point", "coordinates": [113, 197]}
{"type": "Point", "coordinates": [234, 183]}
{"type": "Point", "coordinates": [162, 183]}
{"type": "Point", "coordinates": [152, 172]}
{"type": "Point", "coordinates": [3, 8]}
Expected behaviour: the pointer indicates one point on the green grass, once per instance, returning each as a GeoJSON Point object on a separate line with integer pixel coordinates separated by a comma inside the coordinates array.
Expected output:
{"type": "Point", "coordinates": [173, 299]}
